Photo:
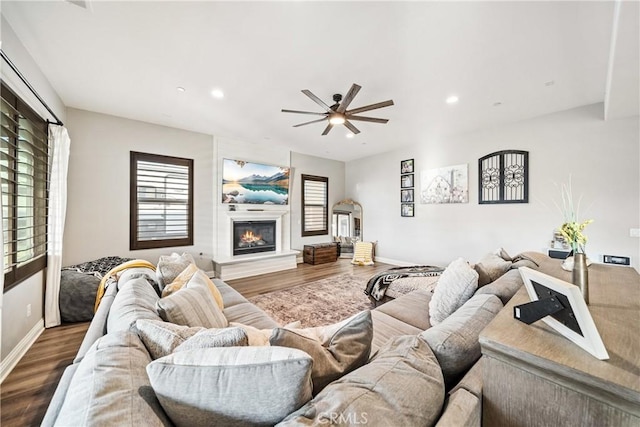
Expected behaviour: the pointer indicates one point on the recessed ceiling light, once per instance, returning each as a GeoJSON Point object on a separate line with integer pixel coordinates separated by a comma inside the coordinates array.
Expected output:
{"type": "Point", "coordinates": [497, 104]}
{"type": "Point", "coordinates": [350, 135]}
{"type": "Point", "coordinates": [180, 89]}
{"type": "Point", "coordinates": [452, 99]}
{"type": "Point", "coordinates": [217, 93]}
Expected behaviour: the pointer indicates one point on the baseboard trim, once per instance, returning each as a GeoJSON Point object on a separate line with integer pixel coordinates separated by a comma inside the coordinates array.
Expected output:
{"type": "Point", "coordinates": [394, 262]}
{"type": "Point", "coordinates": [20, 350]}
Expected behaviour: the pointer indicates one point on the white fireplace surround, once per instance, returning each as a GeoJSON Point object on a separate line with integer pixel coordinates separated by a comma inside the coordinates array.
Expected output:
{"type": "Point", "coordinates": [228, 266]}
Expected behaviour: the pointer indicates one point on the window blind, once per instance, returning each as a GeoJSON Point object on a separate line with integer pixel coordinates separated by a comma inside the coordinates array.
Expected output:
{"type": "Point", "coordinates": [24, 159]}
{"type": "Point", "coordinates": [162, 199]}
{"type": "Point", "coordinates": [314, 205]}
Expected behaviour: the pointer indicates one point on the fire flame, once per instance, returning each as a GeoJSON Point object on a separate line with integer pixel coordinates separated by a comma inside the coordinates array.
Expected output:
{"type": "Point", "coordinates": [249, 237]}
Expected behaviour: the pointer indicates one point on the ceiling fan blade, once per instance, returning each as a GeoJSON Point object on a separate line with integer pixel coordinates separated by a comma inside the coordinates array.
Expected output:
{"type": "Point", "coordinates": [304, 112]}
{"type": "Point", "coordinates": [370, 107]}
{"type": "Point", "coordinates": [308, 123]}
{"type": "Point", "coordinates": [368, 119]}
{"type": "Point", "coordinates": [347, 99]}
{"type": "Point", "coordinates": [351, 127]}
{"type": "Point", "coordinates": [316, 100]}
{"type": "Point", "coordinates": [327, 129]}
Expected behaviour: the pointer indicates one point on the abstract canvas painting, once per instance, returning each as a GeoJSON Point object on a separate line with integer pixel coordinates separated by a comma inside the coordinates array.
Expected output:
{"type": "Point", "coordinates": [448, 184]}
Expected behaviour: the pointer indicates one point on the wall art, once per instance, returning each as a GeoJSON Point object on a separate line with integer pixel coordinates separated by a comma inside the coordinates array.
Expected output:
{"type": "Point", "coordinates": [503, 177]}
{"type": "Point", "coordinates": [448, 184]}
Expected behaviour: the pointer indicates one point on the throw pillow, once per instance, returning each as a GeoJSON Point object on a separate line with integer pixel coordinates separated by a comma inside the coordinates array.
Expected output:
{"type": "Point", "coordinates": [457, 284]}
{"type": "Point", "coordinates": [401, 386]}
{"type": "Point", "coordinates": [231, 386]}
{"type": "Point", "coordinates": [336, 349]}
{"type": "Point", "coordinates": [363, 254]}
{"type": "Point", "coordinates": [191, 307]}
{"type": "Point", "coordinates": [170, 266]}
{"type": "Point", "coordinates": [190, 277]}
{"type": "Point", "coordinates": [210, 338]}
{"type": "Point", "coordinates": [490, 267]}
{"type": "Point", "coordinates": [455, 341]}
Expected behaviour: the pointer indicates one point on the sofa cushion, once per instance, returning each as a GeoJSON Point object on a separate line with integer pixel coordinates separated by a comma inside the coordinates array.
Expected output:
{"type": "Point", "coordinates": [457, 284]}
{"type": "Point", "coordinates": [401, 386]}
{"type": "Point", "coordinates": [505, 287]}
{"type": "Point", "coordinates": [230, 296]}
{"type": "Point", "coordinates": [335, 349]}
{"type": "Point", "coordinates": [455, 341]}
{"type": "Point", "coordinates": [461, 409]}
{"type": "Point", "coordinates": [251, 315]}
{"type": "Point", "coordinates": [111, 387]}
{"type": "Point", "coordinates": [192, 306]}
{"type": "Point", "coordinates": [233, 386]}
{"type": "Point", "coordinates": [412, 308]}
{"type": "Point", "coordinates": [135, 300]}
{"type": "Point", "coordinates": [386, 327]}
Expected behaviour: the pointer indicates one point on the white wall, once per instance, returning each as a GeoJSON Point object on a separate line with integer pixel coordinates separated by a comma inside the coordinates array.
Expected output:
{"type": "Point", "coordinates": [310, 165]}
{"type": "Point", "coordinates": [97, 222]}
{"type": "Point", "coordinates": [15, 325]}
{"type": "Point", "coordinates": [602, 157]}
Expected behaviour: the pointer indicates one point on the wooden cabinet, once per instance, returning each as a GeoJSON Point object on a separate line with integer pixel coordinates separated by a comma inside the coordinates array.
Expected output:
{"type": "Point", "coordinates": [533, 376]}
{"type": "Point", "coordinates": [320, 253]}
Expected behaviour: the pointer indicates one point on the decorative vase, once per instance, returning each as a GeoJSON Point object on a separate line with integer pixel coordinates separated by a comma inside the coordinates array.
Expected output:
{"type": "Point", "coordinates": [581, 274]}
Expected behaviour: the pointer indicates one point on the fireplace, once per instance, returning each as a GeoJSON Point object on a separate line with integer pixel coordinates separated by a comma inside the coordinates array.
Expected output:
{"type": "Point", "coordinates": [250, 237]}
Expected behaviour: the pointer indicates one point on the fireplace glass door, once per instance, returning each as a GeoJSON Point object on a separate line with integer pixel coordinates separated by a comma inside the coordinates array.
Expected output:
{"type": "Point", "coordinates": [253, 236]}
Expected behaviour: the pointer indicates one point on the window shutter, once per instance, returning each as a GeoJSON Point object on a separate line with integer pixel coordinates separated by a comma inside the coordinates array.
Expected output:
{"type": "Point", "coordinates": [314, 209]}
{"type": "Point", "coordinates": [163, 192]}
{"type": "Point", "coordinates": [24, 160]}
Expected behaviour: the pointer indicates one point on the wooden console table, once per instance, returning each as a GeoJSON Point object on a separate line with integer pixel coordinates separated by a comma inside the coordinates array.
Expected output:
{"type": "Point", "coordinates": [533, 376]}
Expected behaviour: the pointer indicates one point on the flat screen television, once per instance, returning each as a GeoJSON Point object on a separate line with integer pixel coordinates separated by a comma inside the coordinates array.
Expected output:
{"type": "Point", "coordinates": [254, 183]}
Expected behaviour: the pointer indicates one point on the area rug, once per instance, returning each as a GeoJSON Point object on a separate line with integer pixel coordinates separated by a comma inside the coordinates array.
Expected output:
{"type": "Point", "coordinates": [319, 303]}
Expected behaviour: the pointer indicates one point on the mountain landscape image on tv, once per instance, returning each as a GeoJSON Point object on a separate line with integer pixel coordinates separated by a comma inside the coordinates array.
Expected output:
{"type": "Point", "coordinates": [254, 183]}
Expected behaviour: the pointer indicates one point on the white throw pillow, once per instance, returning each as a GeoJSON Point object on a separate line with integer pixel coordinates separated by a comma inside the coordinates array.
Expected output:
{"type": "Point", "coordinates": [457, 284]}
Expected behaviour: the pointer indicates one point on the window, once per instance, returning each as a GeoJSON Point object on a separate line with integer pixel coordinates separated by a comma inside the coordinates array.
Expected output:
{"type": "Point", "coordinates": [161, 201]}
{"type": "Point", "coordinates": [315, 192]}
{"type": "Point", "coordinates": [24, 160]}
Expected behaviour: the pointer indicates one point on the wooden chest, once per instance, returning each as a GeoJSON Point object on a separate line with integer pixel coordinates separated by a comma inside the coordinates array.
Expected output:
{"type": "Point", "coordinates": [320, 253]}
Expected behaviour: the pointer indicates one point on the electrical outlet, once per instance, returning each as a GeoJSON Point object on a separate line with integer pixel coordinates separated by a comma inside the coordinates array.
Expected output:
{"type": "Point", "coordinates": [28, 310]}
{"type": "Point", "coordinates": [634, 232]}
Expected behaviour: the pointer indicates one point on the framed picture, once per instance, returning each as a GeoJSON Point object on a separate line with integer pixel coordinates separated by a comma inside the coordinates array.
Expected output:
{"type": "Point", "coordinates": [406, 196]}
{"type": "Point", "coordinates": [406, 181]}
{"type": "Point", "coordinates": [570, 316]}
{"type": "Point", "coordinates": [448, 184]}
{"type": "Point", "coordinates": [406, 209]}
{"type": "Point", "coordinates": [406, 166]}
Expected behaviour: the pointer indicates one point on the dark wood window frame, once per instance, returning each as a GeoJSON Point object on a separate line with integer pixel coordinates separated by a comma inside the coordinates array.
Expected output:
{"type": "Point", "coordinates": [18, 142]}
{"type": "Point", "coordinates": [325, 206]}
{"type": "Point", "coordinates": [135, 242]}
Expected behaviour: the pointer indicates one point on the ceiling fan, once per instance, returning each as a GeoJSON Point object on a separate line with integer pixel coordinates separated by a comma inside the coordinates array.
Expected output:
{"type": "Point", "coordinates": [338, 114]}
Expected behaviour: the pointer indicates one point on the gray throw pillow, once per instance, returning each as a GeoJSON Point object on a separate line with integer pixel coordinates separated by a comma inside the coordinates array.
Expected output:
{"type": "Point", "coordinates": [233, 386]}
{"type": "Point", "coordinates": [161, 338]}
{"type": "Point", "coordinates": [170, 266]}
{"type": "Point", "coordinates": [401, 386]}
{"type": "Point", "coordinates": [210, 338]}
{"type": "Point", "coordinates": [192, 307]}
{"type": "Point", "coordinates": [455, 341]}
{"type": "Point", "coordinates": [344, 348]}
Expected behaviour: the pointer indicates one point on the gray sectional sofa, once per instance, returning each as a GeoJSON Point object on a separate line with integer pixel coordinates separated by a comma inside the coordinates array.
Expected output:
{"type": "Point", "coordinates": [417, 374]}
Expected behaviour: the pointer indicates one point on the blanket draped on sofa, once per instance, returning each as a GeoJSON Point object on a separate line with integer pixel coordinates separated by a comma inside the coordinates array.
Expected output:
{"type": "Point", "coordinates": [378, 284]}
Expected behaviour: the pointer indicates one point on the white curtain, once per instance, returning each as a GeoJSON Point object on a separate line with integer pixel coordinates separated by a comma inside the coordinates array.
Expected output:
{"type": "Point", "coordinates": [1, 263]}
{"type": "Point", "coordinates": [59, 144]}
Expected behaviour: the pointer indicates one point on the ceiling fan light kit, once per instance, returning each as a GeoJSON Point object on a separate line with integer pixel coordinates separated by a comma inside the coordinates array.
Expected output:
{"type": "Point", "coordinates": [337, 114]}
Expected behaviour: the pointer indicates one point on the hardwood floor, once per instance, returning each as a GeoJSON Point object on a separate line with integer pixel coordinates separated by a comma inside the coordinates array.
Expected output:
{"type": "Point", "coordinates": [26, 392]}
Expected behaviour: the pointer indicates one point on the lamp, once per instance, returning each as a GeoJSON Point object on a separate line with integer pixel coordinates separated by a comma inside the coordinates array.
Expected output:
{"type": "Point", "coordinates": [336, 119]}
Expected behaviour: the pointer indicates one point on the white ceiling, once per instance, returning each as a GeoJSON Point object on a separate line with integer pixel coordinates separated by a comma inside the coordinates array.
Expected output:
{"type": "Point", "coordinates": [128, 58]}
